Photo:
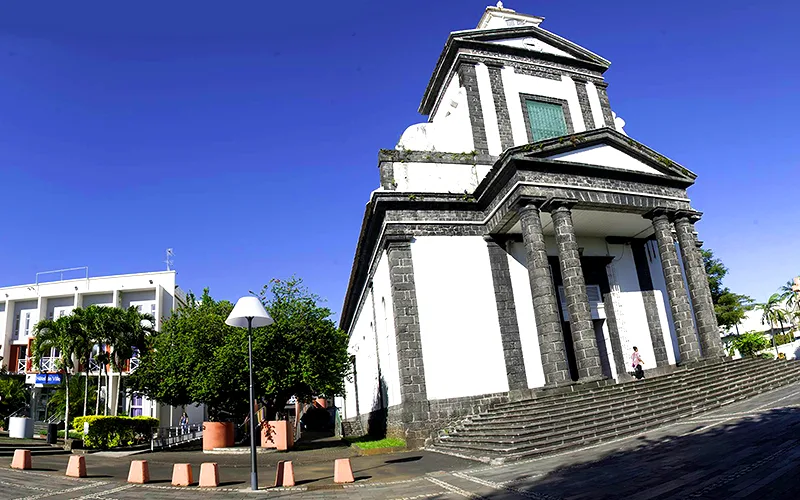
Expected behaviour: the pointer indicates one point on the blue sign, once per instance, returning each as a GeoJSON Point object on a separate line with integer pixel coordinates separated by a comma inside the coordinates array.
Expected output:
{"type": "Point", "coordinates": [48, 378]}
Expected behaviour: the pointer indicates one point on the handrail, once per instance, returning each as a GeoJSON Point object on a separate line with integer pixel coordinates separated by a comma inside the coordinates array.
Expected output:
{"type": "Point", "coordinates": [165, 437]}
{"type": "Point", "coordinates": [62, 271]}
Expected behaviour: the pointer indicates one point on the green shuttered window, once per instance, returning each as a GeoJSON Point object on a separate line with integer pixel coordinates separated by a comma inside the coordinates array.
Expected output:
{"type": "Point", "coordinates": [547, 120]}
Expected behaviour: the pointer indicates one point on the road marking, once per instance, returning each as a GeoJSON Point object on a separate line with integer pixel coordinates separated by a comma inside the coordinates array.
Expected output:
{"type": "Point", "coordinates": [503, 486]}
{"type": "Point", "coordinates": [102, 494]}
{"type": "Point", "coordinates": [424, 495]}
{"type": "Point", "coordinates": [65, 490]}
{"type": "Point", "coordinates": [453, 489]}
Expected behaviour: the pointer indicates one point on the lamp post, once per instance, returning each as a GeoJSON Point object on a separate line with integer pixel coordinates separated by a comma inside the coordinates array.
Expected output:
{"type": "Point", "coordinates": [249, 312]}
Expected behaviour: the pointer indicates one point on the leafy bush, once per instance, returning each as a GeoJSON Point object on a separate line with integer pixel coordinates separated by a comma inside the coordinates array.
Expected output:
{"type": "Point", "coordinates": [784, 338]}
{"type": "Point", "coordinates": [749, 343]}
{"type": "Point", "coordinates": [72, 434]}
{"type": "Point", "coordinates": [111, 432]}
{"type": "Point", "coordinates": [368, 443]}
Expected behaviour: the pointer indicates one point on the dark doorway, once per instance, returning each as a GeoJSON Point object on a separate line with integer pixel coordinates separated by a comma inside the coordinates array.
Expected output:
{"type": "Point", "coordinates": [594, 273]}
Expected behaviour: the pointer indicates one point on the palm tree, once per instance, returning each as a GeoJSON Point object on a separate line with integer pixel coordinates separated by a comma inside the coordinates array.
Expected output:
{"type": "Point", "coordinates": [791, 298]}
{"type": "Point", "coordinates": [772, 312]}
{"type": "Point", "coordinates": [62, 335]}
{"type": "Point", "coordinates": [83, 347]}
{"type": "Point", "coordinates": [133, 328]}
{"type": "Point", "coordinates": [100, 322]}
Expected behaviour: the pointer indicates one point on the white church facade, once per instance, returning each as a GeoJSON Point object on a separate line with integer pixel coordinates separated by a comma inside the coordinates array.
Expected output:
{"type": "Point", "coordinates": [519, 241]}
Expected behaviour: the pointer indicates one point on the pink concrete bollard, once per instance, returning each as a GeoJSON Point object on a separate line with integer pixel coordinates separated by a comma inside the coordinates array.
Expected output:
{"type": "Point", "coordinates": [209, 475]}
{"type": "Point", "coordinates": [22, 459]}
{"type": "Point", "coordinates": [342, 471]}
{"type": "Point", "coordinates": [76, 466]}
{"type": "Point", "coordinates": [284, 475]}
{"type": "Point", "coordinates": [182, 475]}
{"type": "Point", "coordinates": [139, 473]}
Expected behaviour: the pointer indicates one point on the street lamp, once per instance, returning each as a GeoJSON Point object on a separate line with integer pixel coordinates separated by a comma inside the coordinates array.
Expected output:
{"type": "Point", "coordinates": [249, 312]}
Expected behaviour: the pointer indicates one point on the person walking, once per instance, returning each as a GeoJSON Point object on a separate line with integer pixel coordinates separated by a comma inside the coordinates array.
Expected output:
{"type": "Point", "coordinates": [184, 423]}
{"type": "Point", "coordinates": [636, 363]}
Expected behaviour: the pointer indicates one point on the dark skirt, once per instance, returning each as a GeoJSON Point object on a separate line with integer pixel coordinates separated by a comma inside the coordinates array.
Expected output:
{"type": "Point", "coordinates": [639, 372]}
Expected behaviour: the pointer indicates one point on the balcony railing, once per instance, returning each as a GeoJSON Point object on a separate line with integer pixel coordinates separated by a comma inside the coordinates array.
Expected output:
{"type": "Point", "coordinates": [94, 366]}
{"type": "Point", "coordinates": [22, 365]}
{"type": "Point", "coordinates": [134, 363]}
{"type": "Point", "coordinates": [47, 365]}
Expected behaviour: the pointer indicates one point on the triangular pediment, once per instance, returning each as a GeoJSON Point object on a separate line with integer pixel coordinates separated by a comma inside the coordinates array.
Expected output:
{"type": "Point", "coordinates": [603, 155]}
{"type": "Point", "coordinates": [608, 149]}
{"type": "Point", "coordinates": [534, 45]}
{"type": "Point", "coordinates": [532, 39]}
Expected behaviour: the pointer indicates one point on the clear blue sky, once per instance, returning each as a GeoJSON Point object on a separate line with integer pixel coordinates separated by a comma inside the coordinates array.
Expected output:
{"type": "Point", "coordinates": [245, 134]}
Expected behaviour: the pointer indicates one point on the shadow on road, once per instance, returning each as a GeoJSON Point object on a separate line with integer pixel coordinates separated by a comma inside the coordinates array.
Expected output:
{"type": "Point", "coordinates": [755, 457]}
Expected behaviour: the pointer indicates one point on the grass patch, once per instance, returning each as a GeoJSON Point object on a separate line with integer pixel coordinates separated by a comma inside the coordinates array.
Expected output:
{"type": "Point", "coordinates": [370, 443]}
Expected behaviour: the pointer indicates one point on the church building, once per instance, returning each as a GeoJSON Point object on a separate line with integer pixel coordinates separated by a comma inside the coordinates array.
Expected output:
{"type": "Point", "coordinates": [519, 241]}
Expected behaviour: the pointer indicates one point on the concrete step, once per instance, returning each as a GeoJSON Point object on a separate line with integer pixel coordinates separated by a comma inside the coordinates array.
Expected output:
{"type": "Point", "coordinates": [531, 417]}
{"type": "Point", "coordinates": [620, 390]}
{"type": "Point", "coordinates": [577, 391]}
{"type": "Point", "coordinates": [541, 432]}
{"type": "Point", "coordinates": [580, 425]}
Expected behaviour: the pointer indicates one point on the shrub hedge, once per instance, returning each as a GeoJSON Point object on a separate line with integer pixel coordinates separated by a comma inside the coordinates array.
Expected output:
{"type": "Point", "coordinates": [111, 432]}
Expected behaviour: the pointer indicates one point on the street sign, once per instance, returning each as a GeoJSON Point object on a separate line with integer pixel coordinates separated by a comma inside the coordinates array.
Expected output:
{"type": "Point", "coordinates": [48, 378]}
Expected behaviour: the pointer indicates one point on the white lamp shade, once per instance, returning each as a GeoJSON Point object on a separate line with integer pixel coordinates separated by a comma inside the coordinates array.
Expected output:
{"type": "Point", "coordinates": [249, 307]}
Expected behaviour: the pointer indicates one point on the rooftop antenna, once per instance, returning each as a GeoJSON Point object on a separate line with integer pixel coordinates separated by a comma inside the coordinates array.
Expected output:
{"type": "Point", "coordinates": [170, 255]}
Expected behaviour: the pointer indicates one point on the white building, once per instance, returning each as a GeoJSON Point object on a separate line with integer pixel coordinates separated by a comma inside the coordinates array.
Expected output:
{"type": "Point", "coordinates": [21, 307]}
{"type": "Point", "coordinates": [519, 240]}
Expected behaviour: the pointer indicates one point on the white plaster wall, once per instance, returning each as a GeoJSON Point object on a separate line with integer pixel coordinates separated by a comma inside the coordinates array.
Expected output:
{"type": "Point", "coordinates": [662, 300]}
{"type": "Point", "coordinates": [449, 128]}
{"type": "Point", "coordinates": [387, 343]}
{"type": "Point", "coordinates": [607, 156]}
{"type": "Point", "coordinates": [490, 124]}
{"type": "Point", "coordinates": [629, 309]}
{"type": "Point", "coordinates": [438, 177]}
{"type": "Point", "coordinates": [58, 305]}
{"type": "Point", "coordinates": [594, 105]}
{"type": "Point", "coordinates": [98, 299]}
{"type": "Point", "coordinates": [516, 84]}
{"type": "Point", "coordinates": [362, 341]}
{"type": "Point", "coordinates": [526, 319]}
{"type": "Point", "coordinates": [461, 344]}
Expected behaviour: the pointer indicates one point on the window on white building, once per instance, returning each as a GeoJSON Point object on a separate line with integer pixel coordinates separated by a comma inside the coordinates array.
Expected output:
{"type": "Point", "coordinates": [16, 327]}
{"type": "Point", "coordinates": [137, 404]}
{"type": "Point", "coordinates": [27, 323]}
{"type": "Point", "coordinates": [546, 119]}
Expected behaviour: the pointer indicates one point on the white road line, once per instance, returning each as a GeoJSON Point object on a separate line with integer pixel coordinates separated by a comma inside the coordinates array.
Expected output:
{"type": "Point", "coordinates": [453, 489]}
{"type": "Point", "coordinates": [61, 492]}
{"type": "Point", "coordinates": [102, 494]}
{"type": "Point", "coordinates": [502, 486]}
{"type": "Point", "coordinates": [424, 495]}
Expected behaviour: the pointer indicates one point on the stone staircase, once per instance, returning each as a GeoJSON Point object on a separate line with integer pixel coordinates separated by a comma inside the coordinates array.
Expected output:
{"type": "Point", "coordinates": [37, 449]}
{"type": "Point", "coordinates": [557, 422]}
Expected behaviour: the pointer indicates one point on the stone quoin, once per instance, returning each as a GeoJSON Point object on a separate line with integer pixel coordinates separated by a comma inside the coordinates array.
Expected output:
{"type": "Point", "coordinates": [519, 240]}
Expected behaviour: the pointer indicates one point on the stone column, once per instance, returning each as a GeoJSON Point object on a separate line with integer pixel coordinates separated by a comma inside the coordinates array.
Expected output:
{"type": "Point", "coordinates": [676, 291]}
{"type": "Point", "coordinates": [507, 316]}
{"type": "Point", "coordinates": [587, 354]}
{"type": "Point", "coordinates": [413, 391]}
{"type": "Point", "coordinates": [545, 307]}
{"type": "Point", "coordinates": [700, 292]}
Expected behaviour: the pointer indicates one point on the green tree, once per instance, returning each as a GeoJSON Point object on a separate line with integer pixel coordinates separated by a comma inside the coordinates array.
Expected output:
{"type": "Point", "coordinates": [13, 393]}
{"type": "Point", "coordinates": [64, 336]}
{"type": "Point", "coordinates": [730, 308]}
{"type": "Point", "coordinates": [130, 332]}
{"type": "Point", "coordinates": [771, 313]}
{"type": "Point", "coordinates": [198, 358]}
{"type": "Point", "coordinates": [749, 344]}
{"type": "Point", "coordinates": [791, 298]}
{"type": "Point", "coordinates": [303, 354]}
